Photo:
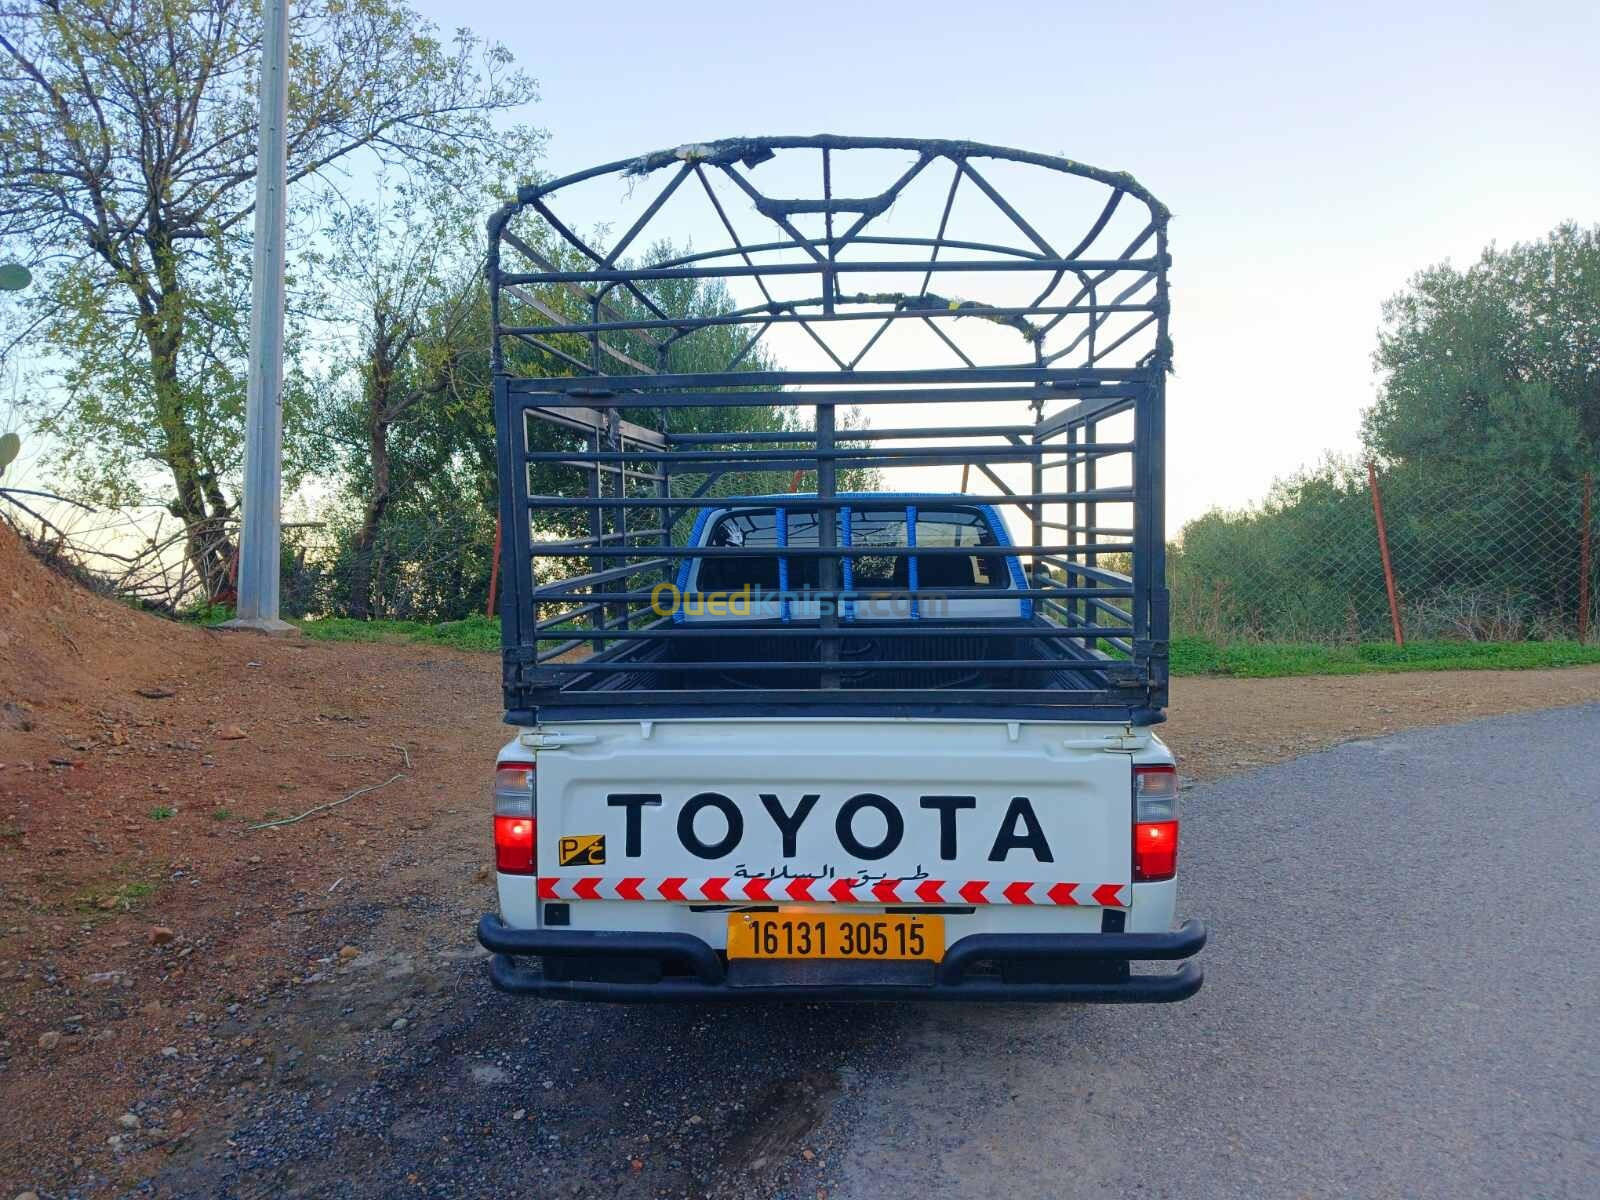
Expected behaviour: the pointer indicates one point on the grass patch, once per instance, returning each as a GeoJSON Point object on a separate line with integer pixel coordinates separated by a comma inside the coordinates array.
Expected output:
{"type": "Point", "coordinates": [1265, 660]}
{"type": "Point", "coordinates": [208, 614]}
{"type": "Point", "coordinates": [1189, 655]}
{"type": "Point", "coordinates": [125, 898]}
{"type": "Point", "coordinates": [222, 814]}
{"type": "Point", "coordinates": [162, 813]}
{"type": "Point", "coordinates": [470, 633]}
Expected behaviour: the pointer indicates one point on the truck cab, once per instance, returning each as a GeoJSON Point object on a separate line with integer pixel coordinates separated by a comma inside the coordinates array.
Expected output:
{"type": "Point", "coordinates": [770, 584]}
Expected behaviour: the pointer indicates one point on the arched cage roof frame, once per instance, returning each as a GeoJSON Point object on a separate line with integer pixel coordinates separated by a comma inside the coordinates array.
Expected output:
{"type": "Point", "coordinates": [630, 337]}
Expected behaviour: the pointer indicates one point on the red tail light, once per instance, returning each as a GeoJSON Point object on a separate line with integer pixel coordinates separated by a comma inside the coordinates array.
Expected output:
{"type": "Point", "coordinates": [1155, 850]}
{"type": "Point", "coordinates": [513, 845]}
{"type": "Point", "coordinates": [1155, 823]}
{"type": "Point", "coordinates": [515, 826]}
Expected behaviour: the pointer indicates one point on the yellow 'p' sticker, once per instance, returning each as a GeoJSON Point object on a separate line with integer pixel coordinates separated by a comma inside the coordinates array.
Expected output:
{"type": "Point", "coordinates": [582, 850]}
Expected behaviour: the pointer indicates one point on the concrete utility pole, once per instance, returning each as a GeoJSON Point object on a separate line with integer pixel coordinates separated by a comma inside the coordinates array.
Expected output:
{"type": "Point", "coordinates": [263, 443]}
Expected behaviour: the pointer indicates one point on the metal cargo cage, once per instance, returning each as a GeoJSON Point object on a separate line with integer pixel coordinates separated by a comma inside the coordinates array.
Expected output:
{"type": "Point", "coordinates": [821, 334]}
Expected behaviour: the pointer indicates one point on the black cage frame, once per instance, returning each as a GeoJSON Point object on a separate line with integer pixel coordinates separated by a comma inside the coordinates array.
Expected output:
{"type": "Point", "coordinates": [598, 473]}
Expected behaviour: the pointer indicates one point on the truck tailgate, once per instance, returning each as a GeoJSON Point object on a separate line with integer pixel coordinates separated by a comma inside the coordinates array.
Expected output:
{"type": "Point", "coordinates": [905, 812]}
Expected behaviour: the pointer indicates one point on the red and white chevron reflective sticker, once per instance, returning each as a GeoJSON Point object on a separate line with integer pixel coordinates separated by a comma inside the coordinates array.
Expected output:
{"type": "Point", "coordinates": [1108, 895]}
{"type": "Point", "coordinates": [722, 889]}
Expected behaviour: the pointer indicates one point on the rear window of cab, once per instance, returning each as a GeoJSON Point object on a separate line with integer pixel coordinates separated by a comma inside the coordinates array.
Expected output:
{"type": "Point", "coordinates": [757, 530]}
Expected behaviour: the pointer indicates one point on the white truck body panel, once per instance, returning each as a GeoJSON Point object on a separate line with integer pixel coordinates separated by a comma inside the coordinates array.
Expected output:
{"type": "Point", "coordinates": [1041, 806]}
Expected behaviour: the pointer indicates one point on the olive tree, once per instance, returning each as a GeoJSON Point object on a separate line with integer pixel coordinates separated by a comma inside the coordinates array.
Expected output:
{"type": "Point", "coordinates": [402, 278]}
{"type": "Point", "coordinates": [1496, 366]}
{"type": "Point", "coordinates": [127, 166]}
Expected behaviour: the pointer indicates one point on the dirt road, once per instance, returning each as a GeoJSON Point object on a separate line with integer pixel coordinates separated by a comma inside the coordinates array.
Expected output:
{"type": "Point", "coordinates": [220, 1009]}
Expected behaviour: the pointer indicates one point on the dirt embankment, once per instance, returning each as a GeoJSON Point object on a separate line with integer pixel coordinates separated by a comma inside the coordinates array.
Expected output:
{"type": "Point", "coordinates": [137, 902]}
{"type": "Point", "coordinates": [143, 920]}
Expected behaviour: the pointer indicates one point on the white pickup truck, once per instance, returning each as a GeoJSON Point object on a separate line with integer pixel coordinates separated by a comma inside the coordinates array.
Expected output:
{"type": "Point", "coordinates": [838, 856]}
{"type": "Point", "coordinates": [887, 737]}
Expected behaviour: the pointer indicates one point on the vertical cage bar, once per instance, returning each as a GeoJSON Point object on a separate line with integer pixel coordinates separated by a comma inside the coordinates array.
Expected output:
{"type": "Point", "coordinates": [617, 525]}
{"type": "Point", "coordinates": [827, 564]}
{"type": "Point", "coordinates": [1075, 608]}
{"type": "Point", "coordinates": [1036, 486]}
{"type": "Point", "coordinates": [597, 529]}
{"type": "Point", "coordinates": [1150, 598]}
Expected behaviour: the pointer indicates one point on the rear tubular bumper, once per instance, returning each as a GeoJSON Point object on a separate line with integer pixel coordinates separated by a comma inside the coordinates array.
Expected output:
{"type": "Point", "coordinates": [1089, 968]}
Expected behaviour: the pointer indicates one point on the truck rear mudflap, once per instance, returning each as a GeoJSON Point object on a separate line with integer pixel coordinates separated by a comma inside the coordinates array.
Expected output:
{"type": "Point", "coordinates": [586, 964]}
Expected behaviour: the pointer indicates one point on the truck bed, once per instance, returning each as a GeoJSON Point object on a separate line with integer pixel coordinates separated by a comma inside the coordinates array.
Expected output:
{"type": "Point", "coordinates": [971, 658]}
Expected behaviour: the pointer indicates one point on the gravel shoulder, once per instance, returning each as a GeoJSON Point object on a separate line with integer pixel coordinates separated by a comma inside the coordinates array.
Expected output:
{"type": "Point", "coordinates": [1219, 727]}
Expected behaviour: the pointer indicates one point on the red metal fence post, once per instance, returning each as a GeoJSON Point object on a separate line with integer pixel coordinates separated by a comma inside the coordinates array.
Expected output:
{"type": "Point", "coordinates": [1584, 527]}
{"type": "Point", "coordinates": [494, 572]}
{"type": "Point", "coordinates": [1383, 551]}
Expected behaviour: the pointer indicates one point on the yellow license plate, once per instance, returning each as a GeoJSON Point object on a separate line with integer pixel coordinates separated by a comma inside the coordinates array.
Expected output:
{"type": "Point", "coordinates": [834, 935]}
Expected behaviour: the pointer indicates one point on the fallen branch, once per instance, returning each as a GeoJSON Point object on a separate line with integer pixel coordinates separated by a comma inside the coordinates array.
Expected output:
{"type": "Point", "coordinates": [325, 807]}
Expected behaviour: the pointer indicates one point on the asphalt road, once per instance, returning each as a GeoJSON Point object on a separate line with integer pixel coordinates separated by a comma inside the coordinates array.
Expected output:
{"type": "Point", "coordinates": [1402, 998]}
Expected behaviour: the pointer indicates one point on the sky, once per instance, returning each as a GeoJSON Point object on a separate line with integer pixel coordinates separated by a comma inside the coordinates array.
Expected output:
{"type": "Point", "coordinates": [1313, 160]}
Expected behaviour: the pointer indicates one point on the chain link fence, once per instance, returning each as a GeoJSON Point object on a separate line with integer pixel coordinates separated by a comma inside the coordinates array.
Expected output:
{"type": "Point", "coordinates": [1470, 557]}
{"type": "Point", "coordinates": [1465, 555]}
